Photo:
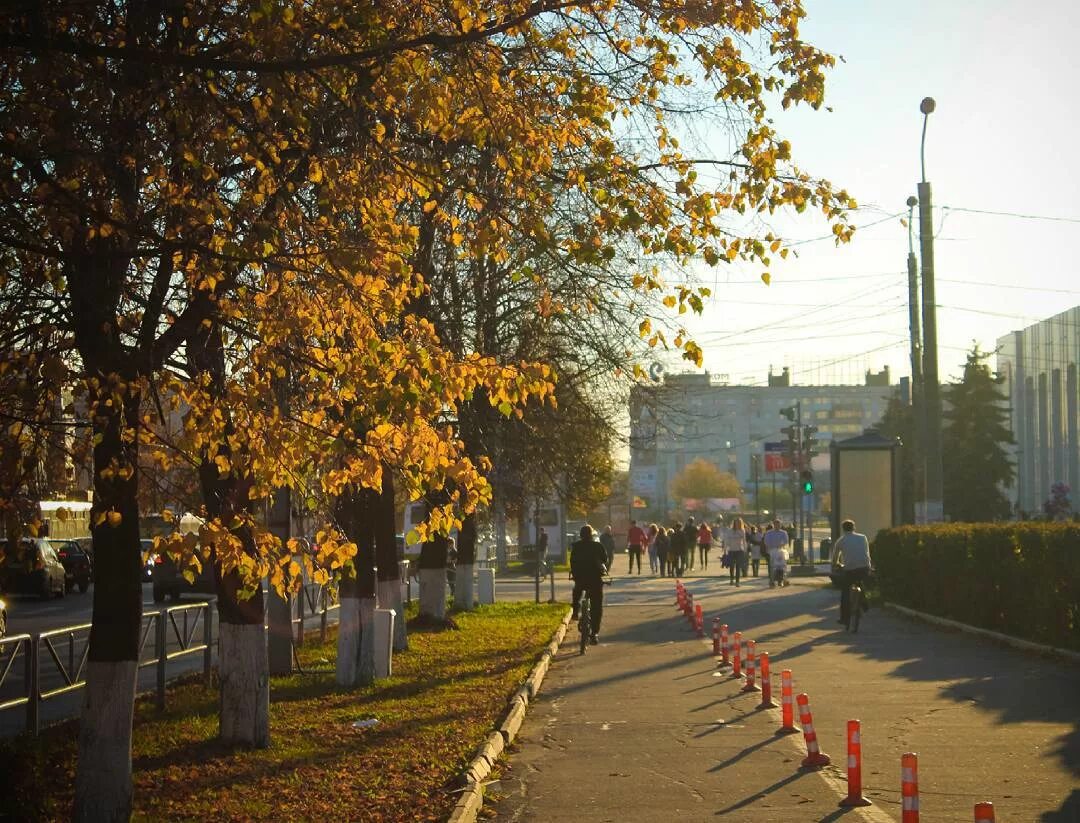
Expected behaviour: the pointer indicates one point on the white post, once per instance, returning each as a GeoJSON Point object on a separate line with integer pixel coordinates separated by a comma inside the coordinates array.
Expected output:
{"type": "Point", "coordinates": [486, 586]}
{"type": "Point", "coordinates": [384, 643]}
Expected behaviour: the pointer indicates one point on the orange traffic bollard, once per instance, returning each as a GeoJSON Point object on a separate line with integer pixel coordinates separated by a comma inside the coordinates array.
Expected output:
{"type": "Point", "coordinates": [699, 621]}
{"type": "Point", "coordinates": [736, 661]}
{"type": "Point", "coordinates": [716, 636]}
{"type": "Point", "coordinates": [766, 682]}
{"type": "Point", "coordinates": [724, 648]}
{"type": "Point", "coordinates": [909, 787]}
{"type": "Point", "coordinates": [815, 758]}
{"type": "Point", "coordinates": [787, 705]}
{"type": "Point", "coordinates": [854, 766]}
{"type": "Point", "coordinates": [751, 667]}
{"type": "Point", "coordinates": [984, 812]}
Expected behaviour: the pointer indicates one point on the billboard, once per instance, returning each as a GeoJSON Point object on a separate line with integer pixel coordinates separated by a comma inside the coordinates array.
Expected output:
{"type": "Point", "coordinates": [775, 458]}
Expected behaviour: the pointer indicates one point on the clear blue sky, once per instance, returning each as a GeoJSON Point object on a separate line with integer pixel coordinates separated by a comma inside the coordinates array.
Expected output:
{"type": "Point", "coordinates": [1004, 138]}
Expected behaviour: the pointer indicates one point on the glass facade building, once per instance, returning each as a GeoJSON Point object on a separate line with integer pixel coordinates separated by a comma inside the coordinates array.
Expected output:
{"type": "Point", "coordinates": [1039, 366]}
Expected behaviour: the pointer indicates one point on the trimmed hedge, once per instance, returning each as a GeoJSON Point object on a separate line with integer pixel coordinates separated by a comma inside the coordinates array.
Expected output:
{"type": "Point", "coordinates": [1021, 579]}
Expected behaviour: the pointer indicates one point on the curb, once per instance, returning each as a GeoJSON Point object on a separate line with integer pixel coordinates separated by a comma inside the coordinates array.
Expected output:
{"type": "Point", "coordinates": [1005, 639]}
{"type": "Point", "coordinates": [472, 796]}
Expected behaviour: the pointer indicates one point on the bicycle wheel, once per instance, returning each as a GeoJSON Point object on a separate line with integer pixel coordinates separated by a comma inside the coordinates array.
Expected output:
{"type": "Point", "coordinates": [855, 608]}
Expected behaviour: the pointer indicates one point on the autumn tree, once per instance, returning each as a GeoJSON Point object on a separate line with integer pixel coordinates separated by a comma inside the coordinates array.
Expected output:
{"type": "Point", "coordinates": [170, 168]}
{"type": "Point", "coordinates": [701, 479]}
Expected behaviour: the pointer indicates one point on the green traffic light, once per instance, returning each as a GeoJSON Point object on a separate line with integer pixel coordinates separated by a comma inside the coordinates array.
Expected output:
{"type": "Point", "coordinates": [808, 487]}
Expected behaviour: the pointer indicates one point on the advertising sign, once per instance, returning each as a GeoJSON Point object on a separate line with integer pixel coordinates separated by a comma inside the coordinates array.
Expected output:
{"type": "Point", "coordinates": [775, 459]}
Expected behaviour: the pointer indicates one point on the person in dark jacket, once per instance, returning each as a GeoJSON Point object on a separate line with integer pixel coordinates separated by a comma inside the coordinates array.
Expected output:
{"type": "Point", "coordinates": [588, 565]}
{"type": "Point", "coordinates": [663, 546]}
{"type": "Point", "coordinates": [607, 540]}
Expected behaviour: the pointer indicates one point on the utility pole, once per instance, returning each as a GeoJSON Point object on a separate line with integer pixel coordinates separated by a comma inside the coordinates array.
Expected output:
{"type": "Point", "coordinates": [755, 467]}
{"type": "Point", "coordinates": [933, 507]}
{"type": "Point", "coordinates": [918, 406]}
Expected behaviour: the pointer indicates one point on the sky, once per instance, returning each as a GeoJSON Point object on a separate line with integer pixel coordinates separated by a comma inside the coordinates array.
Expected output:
{"type": "Point", "coordinates": [1003, 139]}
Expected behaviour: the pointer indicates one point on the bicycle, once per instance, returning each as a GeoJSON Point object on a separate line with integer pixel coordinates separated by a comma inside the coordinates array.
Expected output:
{"type": "Point", "coordinates": [858, 603]}
{"type": "Point", "coordinates": [585, 618]}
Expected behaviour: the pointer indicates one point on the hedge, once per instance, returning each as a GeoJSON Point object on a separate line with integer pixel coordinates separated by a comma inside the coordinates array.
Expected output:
{"type": "Point", "coordinates": [1021, 579]}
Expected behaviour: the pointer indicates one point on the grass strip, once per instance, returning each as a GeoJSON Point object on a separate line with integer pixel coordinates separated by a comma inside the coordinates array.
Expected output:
{"type": "Point", "coordinates": [448, 690]}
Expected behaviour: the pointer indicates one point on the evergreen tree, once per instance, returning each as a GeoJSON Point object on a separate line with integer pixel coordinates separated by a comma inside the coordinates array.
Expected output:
{"type": "Point", "coordinates": [976, 431]}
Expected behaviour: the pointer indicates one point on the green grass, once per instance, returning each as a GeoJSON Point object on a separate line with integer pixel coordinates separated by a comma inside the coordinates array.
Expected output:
{"type": "Point", "coordinates": [447, 692]}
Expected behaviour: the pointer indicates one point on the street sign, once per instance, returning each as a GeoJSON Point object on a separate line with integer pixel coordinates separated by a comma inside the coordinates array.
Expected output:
{"type": "Point", "coordinates": [776, 460]}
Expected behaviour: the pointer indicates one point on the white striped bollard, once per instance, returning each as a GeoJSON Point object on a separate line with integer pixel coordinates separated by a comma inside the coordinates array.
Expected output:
{"type": "Point", "coordinates": [909, 788]}
{"type": "Point", "coordinates": [815, 758]}
{"type": "Point", "coordinates": [787, 704]}
{"type": "Point", "coordinates": [751, 667]}
{"type": "Point", "coordinates": [854, 767]}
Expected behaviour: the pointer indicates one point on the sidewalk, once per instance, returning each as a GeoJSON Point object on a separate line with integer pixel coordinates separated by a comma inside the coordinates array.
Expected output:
{"type": "Point", "coordinates": [640, 729]}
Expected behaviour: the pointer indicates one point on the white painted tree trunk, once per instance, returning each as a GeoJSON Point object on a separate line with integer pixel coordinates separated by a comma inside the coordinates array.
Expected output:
{"type": "Point", "coordinates": [365, 671]}
{"type": "Point", "coordinates": [389, 592]}
{"type": "Point", "coordinates": [244, 671]}
{"type": "Point", "coordinates": [348, 641]}
{"type": "Point", "coordinates": [463, 587]}
{"type": "Point", "coordinates": [433, 593]}
{"type": "Point", "coordinates": [103, 781]}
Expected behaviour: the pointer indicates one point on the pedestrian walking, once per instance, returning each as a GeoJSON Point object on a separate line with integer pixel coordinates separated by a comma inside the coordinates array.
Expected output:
{"type": "Point", "coordinates": [754, 539]}
{"type": "Point", "coordinates": [775, 541]}
{"type": "Point", "coordinates": [663, 545]}
{"type": "Point", "coordinates": [654, 530]}
{"type": "Point", "coordinates": [704, 541]}
{"type": "Point", "coordinates": [635, 544]}
{"type": "Point", "coordinates": [607, 540]}
{"type": "Point", "coordinates": [675, 536]}
{"type": "Point", "coordinates": [736, 549]}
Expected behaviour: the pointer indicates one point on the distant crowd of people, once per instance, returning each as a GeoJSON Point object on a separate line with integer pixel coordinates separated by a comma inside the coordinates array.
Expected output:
{"type": "Point", "coordinates": [673, 551]}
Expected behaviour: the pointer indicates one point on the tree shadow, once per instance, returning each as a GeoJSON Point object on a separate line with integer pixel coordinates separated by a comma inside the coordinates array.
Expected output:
{"type": "Point", "coordinates": [998, 679]}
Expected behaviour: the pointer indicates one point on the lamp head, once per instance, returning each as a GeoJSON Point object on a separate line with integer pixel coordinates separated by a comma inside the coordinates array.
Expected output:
{"type": "Point", "coordinates": [927, 105]}
{"type": "Point", "coordinates": [912, 202]}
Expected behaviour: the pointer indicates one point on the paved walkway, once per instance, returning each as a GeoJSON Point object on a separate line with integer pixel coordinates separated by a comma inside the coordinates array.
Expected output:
{"type": "Point", "coordinates": [641, 728]}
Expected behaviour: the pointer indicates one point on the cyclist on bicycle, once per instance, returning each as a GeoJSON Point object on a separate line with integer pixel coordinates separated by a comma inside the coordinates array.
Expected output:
{"type": "Point", "coordinates": [588, 566]}
{"type": "Point", "coordinates": [850, 563]}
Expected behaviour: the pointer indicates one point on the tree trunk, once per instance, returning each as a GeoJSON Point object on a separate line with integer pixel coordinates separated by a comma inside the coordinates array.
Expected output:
{"type": "Point", "coordinates": [433, 592]}
{"type": "Point", "coordinates": [244, 672]}
{"type": "Point", "coordinates": [463, 582]}
{"type": "Point", "coordinates": [356, 636]}
{"type": "Point", "coordinates": [348, 641]}
{"type": "Point", "coordinates": [103, 780]}
{"type": "Point", "coordinates": [388, 585]}
{"type": "Point", "coordinates": [243, 664]}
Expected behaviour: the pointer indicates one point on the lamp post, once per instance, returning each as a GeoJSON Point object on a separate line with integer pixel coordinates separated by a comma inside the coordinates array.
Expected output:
{"type": "Point", "coordinates": [918, 407]}
{"type": "Point", "coordinates": [932, 506]}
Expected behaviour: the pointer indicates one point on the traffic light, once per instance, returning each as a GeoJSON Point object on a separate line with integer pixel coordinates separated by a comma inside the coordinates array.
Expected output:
{"type": "Point", "coordinates": [789, 413]}
{"type": "Point", "coordinates": [790, 442]}
{"type": "Point", "coordinates": [809, 442]}
{"type": "Point", "coordinates": [807, 481]}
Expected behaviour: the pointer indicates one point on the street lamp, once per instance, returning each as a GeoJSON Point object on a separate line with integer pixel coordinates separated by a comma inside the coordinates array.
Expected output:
{"type": "Point", "coordinates": [932, 507]}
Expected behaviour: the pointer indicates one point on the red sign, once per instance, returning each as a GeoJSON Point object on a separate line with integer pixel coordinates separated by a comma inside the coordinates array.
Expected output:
{"type": "Point", "coordinates": [777, 462]}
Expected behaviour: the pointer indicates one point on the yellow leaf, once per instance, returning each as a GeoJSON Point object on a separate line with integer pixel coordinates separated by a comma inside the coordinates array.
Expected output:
{"type": "Point", "coordinates": [766, 278]}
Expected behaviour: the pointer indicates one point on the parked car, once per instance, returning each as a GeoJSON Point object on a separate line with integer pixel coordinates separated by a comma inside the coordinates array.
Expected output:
{"type": "Point", "coordinates": [31, 566]}
{"type": "Point", "coordinates": [148, 557]}
{"type": "Point", "coordinates": [170, 582]}
{"type": "Point", "coordinates": [78, 569]}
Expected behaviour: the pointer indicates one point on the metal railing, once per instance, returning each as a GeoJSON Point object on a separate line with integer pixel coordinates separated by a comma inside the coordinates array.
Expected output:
{"type": "Point", "coordinates": [175, 631]}
{"type": "Point", "coordinates": [54, 662]}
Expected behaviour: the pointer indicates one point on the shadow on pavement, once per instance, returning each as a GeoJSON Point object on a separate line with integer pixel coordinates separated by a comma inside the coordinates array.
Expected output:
{"type": "Point", "coordinates": [993, 677]}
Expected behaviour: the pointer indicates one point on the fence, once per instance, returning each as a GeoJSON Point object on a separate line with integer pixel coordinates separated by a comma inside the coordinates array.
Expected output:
{"type": "Point", "coordinates": [53, 663]}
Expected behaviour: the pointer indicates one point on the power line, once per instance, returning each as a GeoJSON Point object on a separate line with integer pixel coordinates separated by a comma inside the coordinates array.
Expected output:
{"type": "Point", "coordinates": [1018, 215]}
{"type": "Point", "coordinates": [1007, 286]}
{"type": "Point", "coordinates": [885, 219]}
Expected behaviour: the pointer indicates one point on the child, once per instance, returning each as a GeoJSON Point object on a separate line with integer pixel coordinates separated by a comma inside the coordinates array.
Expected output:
{"type": "Point", "coordinates": [778, 565]}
